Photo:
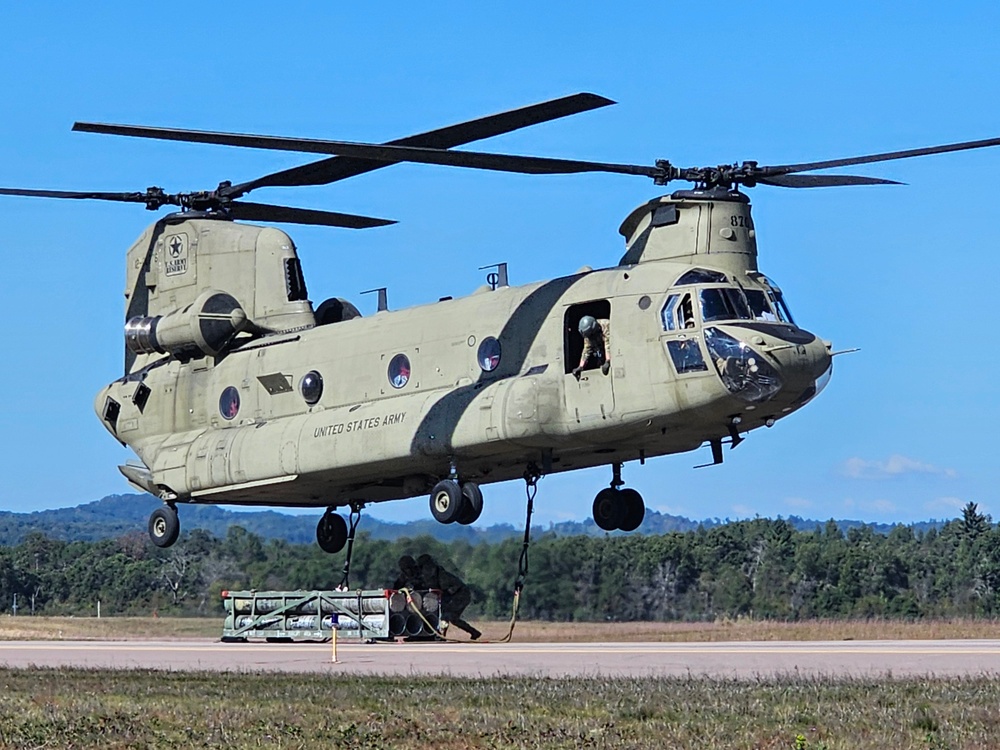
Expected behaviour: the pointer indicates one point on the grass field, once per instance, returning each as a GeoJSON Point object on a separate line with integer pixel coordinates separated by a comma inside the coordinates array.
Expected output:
{"type": "Point", "coordinates": [42, 708]}
{"type": "Point", "coordinates": [144, 709]}
{"type": "Point", "coordinates": [83, 628]}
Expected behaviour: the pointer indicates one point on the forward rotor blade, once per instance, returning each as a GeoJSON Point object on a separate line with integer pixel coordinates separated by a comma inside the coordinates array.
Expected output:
{"type": "Point", "coordinates": [388, 153]}
{"type": "Point", "coordinates": [288, 215]}
{"type": "Point", "coordinates": [888, 156]}
{"type": "Point", "coordinates": [822, 180]}
{"type": "Point", "coordinates": [121, 197]}
{"type": "Point", "coordinates": [338, 168]}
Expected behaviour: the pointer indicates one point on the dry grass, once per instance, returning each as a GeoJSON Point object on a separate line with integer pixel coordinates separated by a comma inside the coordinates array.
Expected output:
{"type": "Point", "coordinates": [137, 709]}
{"type": "Point", "coordinates": [107, 628]}
{"type": "Point", "coordinates": [120, 628]}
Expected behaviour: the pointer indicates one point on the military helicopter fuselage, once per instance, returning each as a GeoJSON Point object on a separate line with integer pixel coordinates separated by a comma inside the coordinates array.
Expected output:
{"type": "Point", "coordinates": [238, 390]}
{"type": "Point", "coordinates": [284, 407]}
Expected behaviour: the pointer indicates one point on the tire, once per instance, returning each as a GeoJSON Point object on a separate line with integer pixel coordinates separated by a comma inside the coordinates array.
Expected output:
{"type": "Point", "coordinates": [331, 533]}
{"type": "Point", "coordinates": [164, 526]}
{"type": "Point", "coordinates": [447, 502]}
{"type": "Point", "coordinates": [635, 510]}
{"type": "Point", "coordinates": [473, 499]}
{"type": "Point", "coordinates": [609, 510]}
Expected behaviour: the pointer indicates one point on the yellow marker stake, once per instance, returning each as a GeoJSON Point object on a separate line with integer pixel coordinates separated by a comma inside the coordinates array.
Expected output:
{"type": "Point", "coordinates": [333, 640]}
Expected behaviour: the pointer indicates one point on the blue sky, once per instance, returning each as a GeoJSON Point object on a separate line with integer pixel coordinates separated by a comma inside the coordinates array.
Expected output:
{"type": "Point", "coordinates": [906, 429]}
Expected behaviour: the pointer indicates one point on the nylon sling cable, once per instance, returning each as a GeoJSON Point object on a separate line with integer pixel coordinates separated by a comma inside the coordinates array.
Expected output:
{"type": "Point", "coordinates": [531, 477]}
{"type": "Point", "coordinates": [355, 519]}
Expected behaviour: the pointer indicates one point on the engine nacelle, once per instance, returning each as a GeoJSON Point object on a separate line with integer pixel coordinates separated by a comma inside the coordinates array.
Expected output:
{"type": "Point", "coordinates": [207, 325]}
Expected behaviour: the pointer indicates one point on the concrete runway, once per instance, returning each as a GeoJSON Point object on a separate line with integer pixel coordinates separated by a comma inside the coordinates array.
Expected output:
{"type": "Point", "coordinates": [738, 659]}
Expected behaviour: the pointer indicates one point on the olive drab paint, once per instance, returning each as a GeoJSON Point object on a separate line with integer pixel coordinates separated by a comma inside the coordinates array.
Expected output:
{"type": "Point", "coordinates": [367, 440]}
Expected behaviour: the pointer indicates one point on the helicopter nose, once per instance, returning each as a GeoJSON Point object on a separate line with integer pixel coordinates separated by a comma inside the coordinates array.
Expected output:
{"type": "Point", "coordinates": [780, 364]}
{"type": "Point", "coordinates": [806, 366]}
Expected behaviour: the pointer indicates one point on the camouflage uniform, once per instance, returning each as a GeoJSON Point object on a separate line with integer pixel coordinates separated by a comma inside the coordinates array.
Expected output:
{"type": "Point", "coordinates": [595, 347]}
{"type": "Point", "coordinates": [455, 595]}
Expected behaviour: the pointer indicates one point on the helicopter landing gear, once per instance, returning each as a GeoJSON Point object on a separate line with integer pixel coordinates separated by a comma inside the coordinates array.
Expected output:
{"type": "Point", "coordinates": [331, 532]}
{"type": "Point", "coordinates": [164, 526]}
{"type": "Point", "coordinates": [472, 501]}
{"type": "Point", "coordinates": [452, 502]}
{"type": "Point", "coordinates": [616, 508]}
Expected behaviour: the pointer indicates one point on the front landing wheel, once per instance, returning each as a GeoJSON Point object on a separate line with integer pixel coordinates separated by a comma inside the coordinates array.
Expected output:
{"type": "Point", "coordinates": [608, 509]}
{"type": "Point", "coordinates": [164, 526]}
{"type": "Point", "coordinates": [635, 509]}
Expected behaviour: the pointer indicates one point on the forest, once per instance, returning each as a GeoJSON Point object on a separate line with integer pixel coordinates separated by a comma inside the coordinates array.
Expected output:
{"type": "Point", "coordinates": [760, 568]}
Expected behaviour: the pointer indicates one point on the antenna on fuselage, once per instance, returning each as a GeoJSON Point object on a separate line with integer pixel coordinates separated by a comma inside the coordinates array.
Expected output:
{"type": "Point", "coordinates": [497, 278]}
{"type": "Point", "coordinates": [383, 301]}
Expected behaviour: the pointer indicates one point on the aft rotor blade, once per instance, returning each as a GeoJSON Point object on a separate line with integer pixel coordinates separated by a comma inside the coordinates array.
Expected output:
{"type": "Point", "coordinates": [338, 168]}
{"type": "Point", "coordinates": [888, 156]}
{"type": "Point", "coordinates": [79, 195]}
{"type": "Point", "coordinates": [822, 180]}
{"type": "Point", "coordinates": [288, 215]}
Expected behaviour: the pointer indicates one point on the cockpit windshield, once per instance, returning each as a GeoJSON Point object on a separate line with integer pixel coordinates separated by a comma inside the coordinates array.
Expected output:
{"type": "Point", "coordinates": [718, 303]}
{"type": "Point", "coordinates": [725, 303]}
{"type": "Point", "coordinates": [760, 307]}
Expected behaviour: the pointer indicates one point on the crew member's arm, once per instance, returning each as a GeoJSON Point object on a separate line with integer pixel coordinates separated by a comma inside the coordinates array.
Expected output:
{"type": "Point", "coordinates": [588, 348]}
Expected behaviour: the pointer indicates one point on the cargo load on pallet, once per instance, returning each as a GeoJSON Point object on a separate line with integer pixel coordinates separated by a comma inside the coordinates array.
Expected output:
{"type": "Point", "coordinates": [379, 614]}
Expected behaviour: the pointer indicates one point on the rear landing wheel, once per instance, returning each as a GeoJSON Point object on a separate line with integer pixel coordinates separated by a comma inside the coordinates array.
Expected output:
{"type": "Point", "coordinates": [447, 501]}
{"type": "Point", "coordinates": [331, 532]}
{"type": "Point", "coordinates": [164, 526]}
{"type": "Point", "coordinates": [472, 498]}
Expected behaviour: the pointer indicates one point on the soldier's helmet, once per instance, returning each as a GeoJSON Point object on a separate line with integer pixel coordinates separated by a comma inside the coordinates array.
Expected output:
{"type": "Point", "coordinates": [408, 566]}
{"type": "Point", "coordinates": [588, 325]}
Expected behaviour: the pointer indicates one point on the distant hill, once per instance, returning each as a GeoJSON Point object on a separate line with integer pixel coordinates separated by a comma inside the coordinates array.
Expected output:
{"type": "Point", "coordinates": [117, 515]}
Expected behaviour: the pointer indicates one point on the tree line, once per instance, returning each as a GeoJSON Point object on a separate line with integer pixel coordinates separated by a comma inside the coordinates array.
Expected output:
{"type": "Point", "coordinates": [759, 568]}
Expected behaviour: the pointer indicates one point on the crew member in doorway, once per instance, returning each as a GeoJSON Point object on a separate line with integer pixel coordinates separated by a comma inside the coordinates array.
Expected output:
{"type": "Point", "coordinates": [596, 344]}
{"type": "Point", "coordinates": [455, 595]}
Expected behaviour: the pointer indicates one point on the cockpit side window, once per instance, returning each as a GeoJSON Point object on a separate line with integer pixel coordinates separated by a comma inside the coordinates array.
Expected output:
{"type": "Point", "coordinates": [777, 301]}
{"type": "Point", "coordinates": [678, 312]}
{"type": "Point", "coordinates": [685, 315]}
{"type": "Point", "coordinates": [783, 310]}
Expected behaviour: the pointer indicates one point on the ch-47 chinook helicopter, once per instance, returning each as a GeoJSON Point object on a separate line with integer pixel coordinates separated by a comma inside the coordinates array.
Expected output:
{"type": "Point", "coordinates": [238, 391]}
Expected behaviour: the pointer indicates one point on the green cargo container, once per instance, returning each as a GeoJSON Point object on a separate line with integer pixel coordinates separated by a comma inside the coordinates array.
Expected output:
{"type": "Point", "coordinates": [285, 616]}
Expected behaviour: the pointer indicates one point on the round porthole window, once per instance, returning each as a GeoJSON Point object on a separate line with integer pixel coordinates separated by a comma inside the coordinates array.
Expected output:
{"type": "Point", "coordinates": [311, 387]}
{"type": "Point", "coordinates": [489, 354]}
{"type": "Point", "coordinates": [399, 371]}
{"type": "Point", "coordinates": [229, 403]}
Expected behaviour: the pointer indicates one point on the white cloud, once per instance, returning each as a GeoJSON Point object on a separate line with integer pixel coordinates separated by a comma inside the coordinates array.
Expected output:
{"type": "Point", "coordinates": [743, 511]}
{"type": "Point", "coordinates": [894, 466]}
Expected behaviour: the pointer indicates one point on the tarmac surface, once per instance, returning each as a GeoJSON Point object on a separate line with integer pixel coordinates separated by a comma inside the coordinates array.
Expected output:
{"type": "Point", "coordinates": [743, 660]}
